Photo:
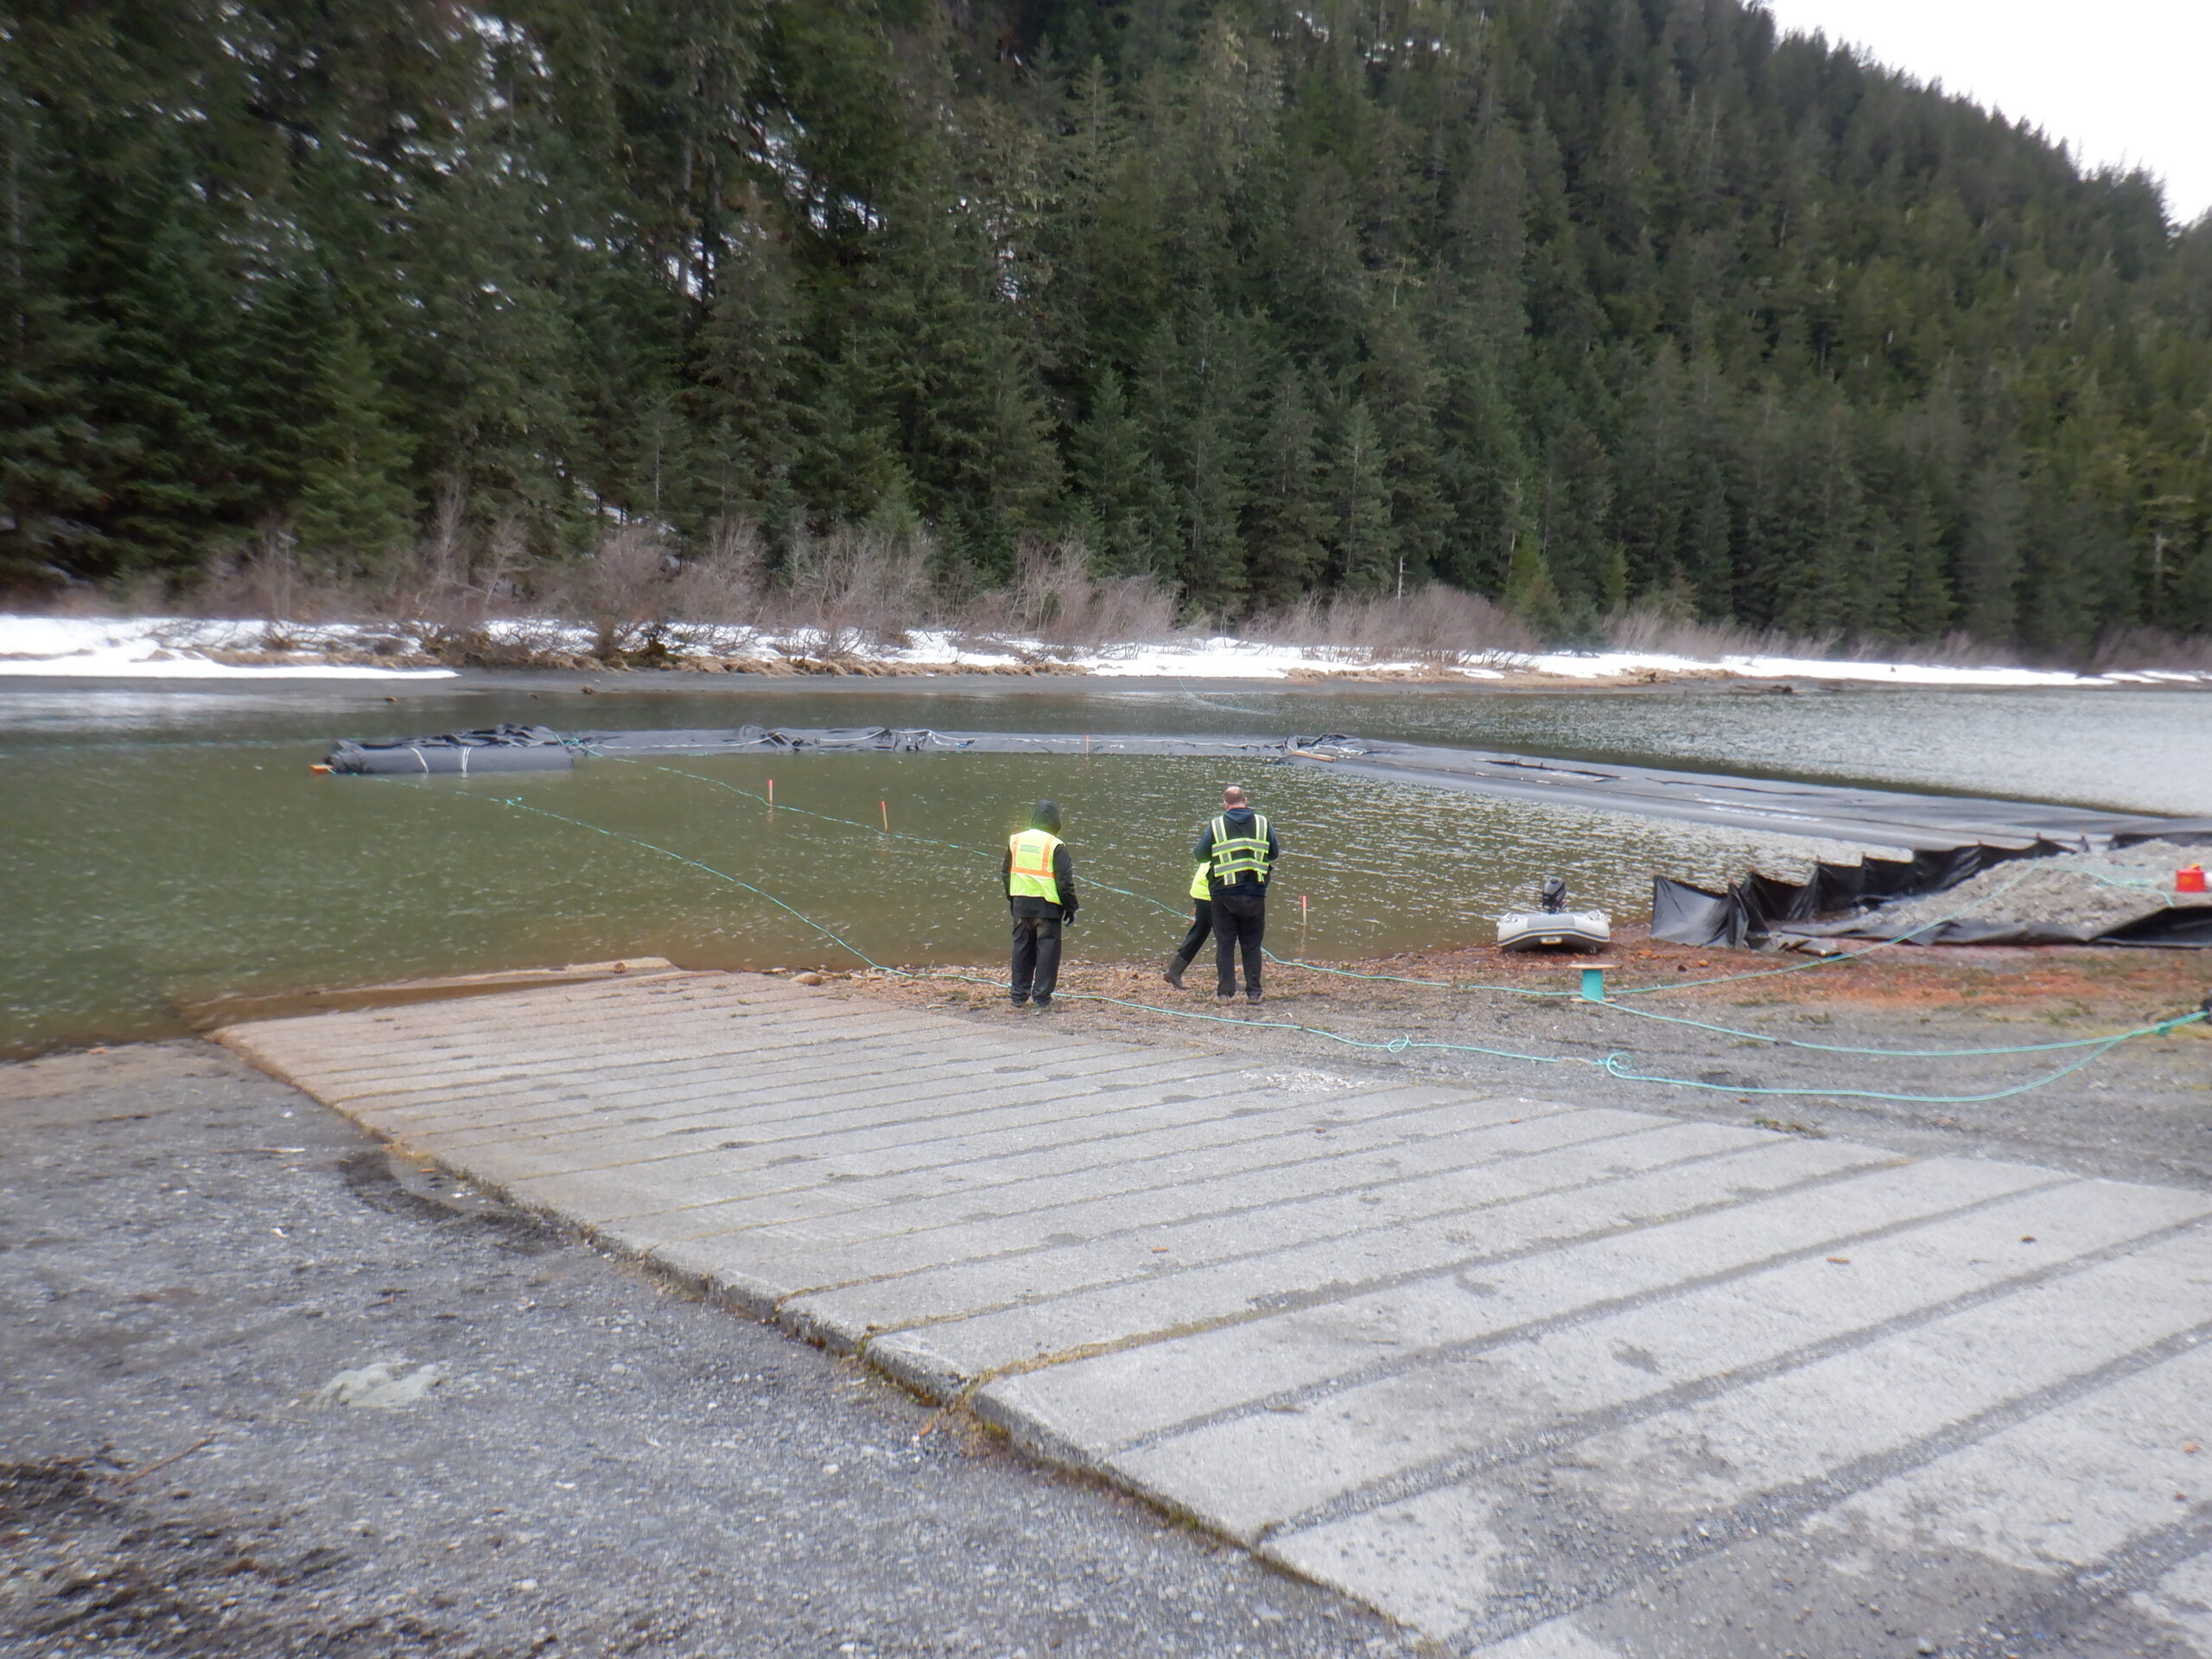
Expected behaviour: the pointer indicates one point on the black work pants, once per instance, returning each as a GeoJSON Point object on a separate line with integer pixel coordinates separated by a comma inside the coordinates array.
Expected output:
{"type": "Point", "coordinates": [1201, 930]}
{"type": "Point", "coordinates": [1239, 921]}
{"type": "Point", "coordinates": [1036, 958]}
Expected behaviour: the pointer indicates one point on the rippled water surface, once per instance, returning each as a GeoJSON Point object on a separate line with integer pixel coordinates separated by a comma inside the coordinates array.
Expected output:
{"type": "Point", "coordinates": [162, 850]}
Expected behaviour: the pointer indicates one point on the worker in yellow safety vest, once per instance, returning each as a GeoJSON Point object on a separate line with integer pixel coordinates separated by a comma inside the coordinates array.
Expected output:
{"type": "Point", "coordinates": [1239, 849]}
{"type": "Point", "coordinates": [1041, 893]}
{"type": "Point", "coordinates": [1201, 927]}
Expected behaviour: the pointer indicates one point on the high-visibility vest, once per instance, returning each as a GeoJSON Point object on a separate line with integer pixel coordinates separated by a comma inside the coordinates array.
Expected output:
{"type": "Point", "coordinates": [1236, 856]}
{"type": "Point", "coordinates": [1200, 888]}
{"type": "Point", "coordinates": [1031, 875]}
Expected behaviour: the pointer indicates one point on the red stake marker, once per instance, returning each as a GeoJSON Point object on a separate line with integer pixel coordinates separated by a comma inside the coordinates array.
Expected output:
{"type": "Point", "coordinates": [772, 794]}
{"type": "Point", "coordinates": [884, 807]}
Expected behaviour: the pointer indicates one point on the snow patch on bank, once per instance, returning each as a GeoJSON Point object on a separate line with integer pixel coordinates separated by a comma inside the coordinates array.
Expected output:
{"type": "Point", "coordinates": [1614, 665]}
{"type": "Point", "coordinates": [169, 648]}
{"type": "Point", "coordinates": [180, 648]}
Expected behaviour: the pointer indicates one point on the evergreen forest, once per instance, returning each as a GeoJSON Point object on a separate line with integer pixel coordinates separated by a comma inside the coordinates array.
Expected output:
{"type": "Point", "coordinates": [1575, 304]}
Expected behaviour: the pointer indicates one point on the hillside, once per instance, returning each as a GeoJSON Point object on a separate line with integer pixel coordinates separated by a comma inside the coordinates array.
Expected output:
{"type": "Point", "coordinates": [1574, 303]}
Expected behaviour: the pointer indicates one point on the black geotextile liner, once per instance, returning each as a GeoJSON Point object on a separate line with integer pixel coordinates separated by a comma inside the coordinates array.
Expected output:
{"type": "Point", "coordinates": [2190, 927]}
{"type": "Point", "coordinates": [1943, 839]}
{"type": "Point", "coordinates": [768, 740]}
{"type": "Point", "coordinates": [1761, 910]}
{"type": "Point", "coordinates": [1744, 915]}
{"type": "Point", "coordinates": [2183, 832]}
{"type": "Point", "coordinates": [512, 748]}
{"type": "Point", "coordinates": [792, 740]}
{"type": "Point", "coordinates": [498, 749]}
{"type": "Point", "coordinates": [1855, 813]}
{"type": "Point", "coordinates": [1913, 823]}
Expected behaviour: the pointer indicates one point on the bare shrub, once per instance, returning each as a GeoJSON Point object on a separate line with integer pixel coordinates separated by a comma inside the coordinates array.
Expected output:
{"type": "Point", "coordinates": [852, 588]}
{"type": "Point", "coordinates": [1953, 649]}
{"type": "Point", "coordinates": [450, 583]}
{"type": "Point", "coordinates": [1056, 600]}
{"type": "Point", "coordinates": [724, 584]}
{"type": "Point", "coordinates": [1439, 626]}
{"type": "Point", "coordinates": [1666, 630]}
{"type": "Point", "coordinates": [2140, 649]}
{"type": "Point", "coordinates": [433, 583]}
{"type": "Point", "coordinates": [265, 581]}
{"type": "Point", "coordinates": [621, 591]}
{"type": "Point", "coordinates": [144, 595]}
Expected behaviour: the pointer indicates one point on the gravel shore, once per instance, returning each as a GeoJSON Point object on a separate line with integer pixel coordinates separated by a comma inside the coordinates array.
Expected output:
{"type": "Point", "coordinates": [2140, 1111]}
{"type": "Point", "coordinates": [2092, 891]}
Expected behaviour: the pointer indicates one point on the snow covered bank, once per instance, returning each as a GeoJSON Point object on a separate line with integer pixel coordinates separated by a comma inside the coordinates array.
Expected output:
{"type": "Point", "coordinates": [165, 648]}
{"type": "Point", "coordinates": [1599, 665]}
{"type": "Point", "coordinates": [179, 648]}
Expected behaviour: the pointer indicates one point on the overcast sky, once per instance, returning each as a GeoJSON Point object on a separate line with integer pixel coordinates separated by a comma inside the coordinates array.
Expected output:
{"type": "Point", "coordinates": [2120, 80]}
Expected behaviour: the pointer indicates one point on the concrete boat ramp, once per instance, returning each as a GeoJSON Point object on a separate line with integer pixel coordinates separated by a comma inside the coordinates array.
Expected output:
{"type": "Point", "coordinates": [1539, 1380]}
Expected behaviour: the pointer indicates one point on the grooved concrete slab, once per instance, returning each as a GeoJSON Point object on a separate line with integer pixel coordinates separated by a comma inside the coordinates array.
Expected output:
{"type": "Point", "coordinates": [1537, 1380]}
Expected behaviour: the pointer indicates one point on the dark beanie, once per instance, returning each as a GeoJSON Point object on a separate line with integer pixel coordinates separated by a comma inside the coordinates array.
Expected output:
{"type": "Point", "coordinates": [1045, 815]}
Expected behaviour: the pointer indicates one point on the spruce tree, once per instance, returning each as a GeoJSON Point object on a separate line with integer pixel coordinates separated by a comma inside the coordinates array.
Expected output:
{"type": "Point", "coordinates": [1288, 516]}
{"type": "Point", "coordinates": [1365, 542]}
{"type": "Point", "coordinates": [1586, 563]}
{"type": "Point", "coordinates": [746, 359]}
{"type": "Point", "coordinates": [1989, 551]}
{"type": "Point", "coordinates": [354, 503]}
{"type": "Point", "coordinates": [169, 460]}
{"type": "Point", "coordinates": [1404, 388]}
{"type": "Point", "coordinates": [1131, 510]}
{"type": "Point", "coordinates": [1640, 301]}
{"type": "Point", "coordinates": [48, 350]}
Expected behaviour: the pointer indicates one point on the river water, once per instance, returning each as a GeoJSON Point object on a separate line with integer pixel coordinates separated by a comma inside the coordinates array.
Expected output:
{"type": "Point", "coordinates": [163, 849]}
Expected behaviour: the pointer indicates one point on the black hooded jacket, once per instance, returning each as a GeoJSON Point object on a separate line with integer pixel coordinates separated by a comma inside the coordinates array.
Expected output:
{"type": "Point", "coordinates": [1062, 878]}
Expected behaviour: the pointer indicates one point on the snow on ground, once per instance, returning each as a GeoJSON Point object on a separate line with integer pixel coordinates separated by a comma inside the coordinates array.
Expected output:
{"type": "Point", "coordinates": [1612, 664]}
{"type": "Point", "coordinates": [166, 648]}
{"type": "Point", "coordinates": [180, 648]}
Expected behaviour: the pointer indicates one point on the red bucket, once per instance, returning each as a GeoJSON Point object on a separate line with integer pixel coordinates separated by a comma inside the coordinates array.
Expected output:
{"type": "Point", "coordinates": [2190, 879]}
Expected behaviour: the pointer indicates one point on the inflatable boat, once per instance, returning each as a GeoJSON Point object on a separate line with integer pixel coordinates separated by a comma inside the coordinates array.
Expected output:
{"type": "Point", "coordinates": [1552, 926]}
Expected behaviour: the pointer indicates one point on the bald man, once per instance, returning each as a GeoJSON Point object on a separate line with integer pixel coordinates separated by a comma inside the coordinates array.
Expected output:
{"type": "Point", "coordinates": [1238, 850]}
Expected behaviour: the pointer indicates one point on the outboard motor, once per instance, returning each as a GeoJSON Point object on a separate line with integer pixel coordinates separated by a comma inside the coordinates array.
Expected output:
{"type": "Point", "coordinates": [1552, 926]}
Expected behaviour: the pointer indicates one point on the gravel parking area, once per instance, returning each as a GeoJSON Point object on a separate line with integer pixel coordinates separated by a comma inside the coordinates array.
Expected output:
{"type": "Point", "coordinates": [272, 1391]}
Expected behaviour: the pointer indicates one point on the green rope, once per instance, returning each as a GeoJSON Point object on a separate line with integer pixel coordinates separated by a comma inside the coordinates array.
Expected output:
{"type": "Point", "coordinates": [1616, 1065]}
{"type": "Point", "coordinates": [1103, 887]}
{"type": "Point", "coordinates": [875, 829]}
{"type": "Point", "coordinates": [828, 933]}
{"type": "Point", "coordinates": [1613, 994]}
{"type": "Point", "coordinates": [2161, 1029]}
{"type": "Point", "coordinates": [1394, 1045]}
{"type": "Point", "coordinates": [1310, 967]}
{"type": "Point", "coordinates": [1448, 985]}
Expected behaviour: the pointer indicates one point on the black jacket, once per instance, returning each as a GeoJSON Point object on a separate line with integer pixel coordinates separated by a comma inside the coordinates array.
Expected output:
{"type": "Point", "coordinates": [1028, 904]}
{"type": "Point", "coordinates": [1239, 820]}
